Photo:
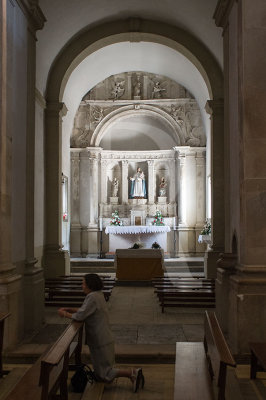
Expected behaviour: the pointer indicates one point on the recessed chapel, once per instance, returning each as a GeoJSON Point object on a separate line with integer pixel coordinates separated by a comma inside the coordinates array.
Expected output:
{"type": "Point", "coordinates": [133, 109]}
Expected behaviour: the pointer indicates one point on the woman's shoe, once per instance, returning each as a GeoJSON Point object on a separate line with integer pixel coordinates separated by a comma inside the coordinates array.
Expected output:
{"type": "Point", "coordinates": [137, 378]}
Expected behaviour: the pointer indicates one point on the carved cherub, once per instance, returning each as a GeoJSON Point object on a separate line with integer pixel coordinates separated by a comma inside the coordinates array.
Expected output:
{"type": "Point", "coordinates": [118, 89]}
{"type": "Point", "coordinates": [157, 90]}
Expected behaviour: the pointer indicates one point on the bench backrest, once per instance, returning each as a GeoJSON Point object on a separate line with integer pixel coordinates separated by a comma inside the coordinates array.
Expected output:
{"type": "Point", "coordinates": [50, 371]}
{"type": "Point", "coordinates": [217, 351]}
{"type": "Point", "coordinates": [54, 365]}
{"type": "Point", "coordinates": [3, 316]}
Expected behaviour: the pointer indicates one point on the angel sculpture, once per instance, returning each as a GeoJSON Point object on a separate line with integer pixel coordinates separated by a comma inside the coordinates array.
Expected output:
{"type": "Point", "coordinates": [157, 90]}
{"type": "Point", "coordinates": [118, 90]}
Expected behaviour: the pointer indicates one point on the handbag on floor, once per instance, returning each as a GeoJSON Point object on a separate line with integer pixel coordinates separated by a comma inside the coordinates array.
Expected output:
{"type": "Point", "coordinates": [81, 377]}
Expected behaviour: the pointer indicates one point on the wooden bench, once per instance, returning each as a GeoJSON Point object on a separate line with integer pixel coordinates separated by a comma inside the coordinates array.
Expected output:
{"type": "Point", "coordinates": [3, 317]}
{"type": "Point", "coordinates": [189, 297]}
{"type": "Point", "coordinates": [201, 368]}
{"type": "Point", "coordinates": [50, 372]}
{"type": "Point", "coordinates": [68, 297]}
{"type": "Point", "coordinates": [258, 358]}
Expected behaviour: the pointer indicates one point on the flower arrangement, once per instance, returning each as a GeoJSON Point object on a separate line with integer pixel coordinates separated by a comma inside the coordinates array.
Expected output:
{"type": "Point", "coordinates": [206, 229]}
{"type": "Point", "coordinates": [155, 245]}
{"type": "Point", "coordinates": [116, 220]}
{"type": "Point", "coordinates": [158, 219]}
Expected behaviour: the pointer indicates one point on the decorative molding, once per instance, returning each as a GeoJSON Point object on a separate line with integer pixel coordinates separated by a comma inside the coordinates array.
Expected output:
{"type": "Point", "coordinates": [33, 12]}
{"type": "Point", "coordinates": [222, 12]}
{"type": "Point", "coordinates": [40, 99]}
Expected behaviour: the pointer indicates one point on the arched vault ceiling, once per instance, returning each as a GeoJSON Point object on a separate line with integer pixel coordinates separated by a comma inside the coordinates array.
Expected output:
{"type": "Point", "coordinates": [65, 18]}
{"type": "Point", "coordinates": [127, 56]}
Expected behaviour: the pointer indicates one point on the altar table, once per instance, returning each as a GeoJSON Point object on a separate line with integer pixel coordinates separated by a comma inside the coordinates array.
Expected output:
{"type": "Point", "coordinates": [123, 237]}
{"type": "Point", "coordinates": [139, 264]}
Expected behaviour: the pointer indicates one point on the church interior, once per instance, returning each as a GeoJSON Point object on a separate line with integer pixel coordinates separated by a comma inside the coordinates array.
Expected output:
{"type": "Point", "coordinates": [133, 146]}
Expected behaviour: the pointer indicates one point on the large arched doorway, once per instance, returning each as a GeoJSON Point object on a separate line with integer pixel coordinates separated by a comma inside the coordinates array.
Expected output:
{"type": "Point", "coordinates": [205, 82]}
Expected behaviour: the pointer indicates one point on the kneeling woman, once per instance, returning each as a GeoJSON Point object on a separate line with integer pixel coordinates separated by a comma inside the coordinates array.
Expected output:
{"type": "Point", "coordinates": [98, 333]}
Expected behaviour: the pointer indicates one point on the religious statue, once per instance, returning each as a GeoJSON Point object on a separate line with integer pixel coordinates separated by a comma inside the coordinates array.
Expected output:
{"type": "Point", "coordinates": [138, 185]}
{"type": "Point", "coordinates": [162, 187]}
{"type": "Point", "coordinates": [115, 185]}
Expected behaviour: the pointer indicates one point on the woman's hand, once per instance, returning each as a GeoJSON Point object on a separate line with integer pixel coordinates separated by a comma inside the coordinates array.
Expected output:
{"type": "Point", "coordinates": [62, 312]}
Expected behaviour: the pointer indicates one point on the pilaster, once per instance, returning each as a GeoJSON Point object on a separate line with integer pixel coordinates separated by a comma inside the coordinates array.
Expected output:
{"type": "Point", "coordinates": [151, 178]}
{"type": "Point", "coordinates": [124, 181]}
{"type": "Point", "coordinates": [216, 110]}
{"type": "Point", "coordinates": [56, 261]}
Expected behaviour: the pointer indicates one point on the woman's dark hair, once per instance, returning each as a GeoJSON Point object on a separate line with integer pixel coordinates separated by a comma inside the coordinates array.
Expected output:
{"type": "Point", "coordinates": [93, 282]}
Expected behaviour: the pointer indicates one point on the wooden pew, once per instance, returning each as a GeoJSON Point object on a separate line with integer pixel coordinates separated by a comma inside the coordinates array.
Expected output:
{"type": "Point", "coordinates": [2, 325]}
{"type": "Point", "coordinates": [201, 368]}
{"type": "Point", "coordinates": [258, 358]}
{"type": "Point", "coordinates": [68, 297]}
{"type": "Point", "coordinates": [50, 372]}
{"type": "Point", "coordinates": [200, 298]}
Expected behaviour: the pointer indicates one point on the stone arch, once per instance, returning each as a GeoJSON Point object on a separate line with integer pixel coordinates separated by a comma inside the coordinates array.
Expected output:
{"type": "Point", "coordinates": [129, 110]}
{"type": "Point", "coordinates": [84, 43]}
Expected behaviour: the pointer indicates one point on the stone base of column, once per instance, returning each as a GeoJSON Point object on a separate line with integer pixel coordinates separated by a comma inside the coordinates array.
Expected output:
{"type": "Point", "coordinates": [75, 240]}
{"type": "Point", "coordinates": [226, 267]}
{"type": "Point", "coordinates": [247, 304]}
{"type": "Point", "coordinates": [33, 288]}
{"type": "Point", "coordinates": [90, 242]}
{"type": "Point", "coordinates": [56, 263]}
{"type": "Point", "coordinates": [12, 302]}
{"type": "Point", "coordinates": [210, 263]}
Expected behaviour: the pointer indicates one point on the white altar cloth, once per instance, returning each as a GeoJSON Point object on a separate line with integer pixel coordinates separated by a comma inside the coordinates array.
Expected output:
{"type": "Point", "coordinates": [136, 229]}
{"type": "Point", "coordinates": [123, 237]}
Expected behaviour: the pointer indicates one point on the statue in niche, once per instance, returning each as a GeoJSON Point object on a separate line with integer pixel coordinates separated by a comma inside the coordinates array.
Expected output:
{"type": "Point", "coordinates": [118, 90]}
{"type": "Point", "coordinates": [162, 187]}
{"type": "Point", "coordinates": [157, 91]}
{"type": "Point", "coordinates": [137, 87]}
{"type": "Point", "coordinates": [138, 185]}
{"type": "Point", "coordinates": [115, 186]}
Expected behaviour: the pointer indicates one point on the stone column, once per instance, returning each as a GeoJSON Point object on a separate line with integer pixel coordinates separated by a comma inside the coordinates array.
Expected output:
{"type": "Point", "coordinates": [182, 192]}
{"type": "Point", "coordinates": [245, 88]}
{"type": "Point", "coordinates": [75, 229]}
{"type": "Point", "coordinates": [216, 109]}
{"type": "Point", "coordinates": [103, 181]}
{"type": "Point", "coordinates": [56, 261]}
{"type": "Point", "coordinates": [124, 182]}
{"type": "Point", "coordinates": [200, 195]}
{"type": "Point", "coordinates": [191, 193]}
{"type": "Point", "coordinates": [172, 182]}
{"type": "Point", "coordinates": [33, 276]}
{"type": "Point", "coordinates": [93, 191]}
{"type": "Point", "coordinates": [85, 200]}
{"type": "Point", "coordinates": [151, 177]}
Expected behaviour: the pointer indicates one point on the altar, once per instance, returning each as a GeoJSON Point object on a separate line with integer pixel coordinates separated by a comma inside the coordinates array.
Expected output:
{"type": "Point", "coordinates": [124, 237]}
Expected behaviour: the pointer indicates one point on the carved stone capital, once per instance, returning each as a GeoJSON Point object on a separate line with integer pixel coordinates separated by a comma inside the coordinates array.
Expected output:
{"type": "Point", "coordinates": [215, 107]}
{"type": "Point", "coordinates": [222, 12]}
{"type": "Point", "coordinates": [34, 13]}
{"type": "Point", "coordinates": [56, 108]}
{"type": "Point", "coordinates": [227, 261]}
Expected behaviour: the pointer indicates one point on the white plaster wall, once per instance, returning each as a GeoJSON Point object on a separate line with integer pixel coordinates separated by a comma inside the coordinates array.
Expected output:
{"type": "Point", "coordinates": [138, 133]}
{"type": "Point", "coordinates": [65, 18]}
{"type": "Point", "coordinates": [16, 124]}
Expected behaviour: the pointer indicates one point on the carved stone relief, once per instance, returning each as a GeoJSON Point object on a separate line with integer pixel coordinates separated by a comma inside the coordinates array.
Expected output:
{"type": "Point", "coordinates": [137, 90]}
